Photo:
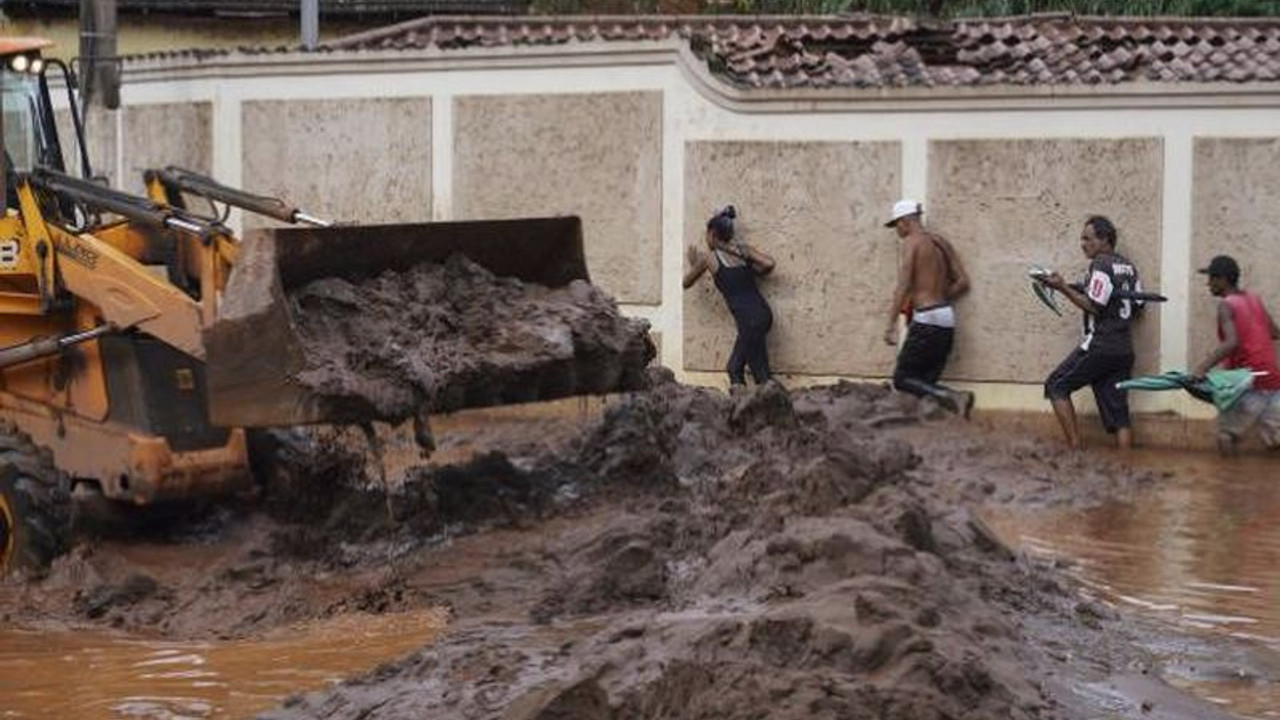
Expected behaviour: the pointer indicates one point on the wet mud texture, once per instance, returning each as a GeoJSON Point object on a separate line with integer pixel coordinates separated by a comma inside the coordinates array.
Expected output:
{"type": "Point", "coordinates": [684, 555]}
{"type": "Point", "coordinates": [767, 556]}
{"type": "Point", "coordinates": [454, 335]}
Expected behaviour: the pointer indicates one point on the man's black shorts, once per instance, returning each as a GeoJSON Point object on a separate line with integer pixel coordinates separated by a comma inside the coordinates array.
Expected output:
{"type": "Point", "coordinates": [924, 353]}
{"type": "Point", "coordinates": [1101, 372]}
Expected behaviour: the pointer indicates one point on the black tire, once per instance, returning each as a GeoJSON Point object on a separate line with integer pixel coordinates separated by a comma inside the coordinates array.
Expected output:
{"type": "Point", "coordinates": [34, 506]}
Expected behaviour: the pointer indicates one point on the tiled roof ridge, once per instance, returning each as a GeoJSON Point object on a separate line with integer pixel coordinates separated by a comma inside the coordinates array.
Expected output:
{"type": "Point", "coordinates": [885, 51]}
{"type": "Point", "coordinates": [367, 36]}
{"type": "Point", "coordinates": [682, 21]}
{"type": "Point", "coordinates": [1129, 19]}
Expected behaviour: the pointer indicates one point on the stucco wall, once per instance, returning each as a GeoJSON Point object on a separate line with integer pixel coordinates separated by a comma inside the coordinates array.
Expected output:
{"type": "Point", "coordinates": [346, 160]}
{"type": "Point", "coordinates": [103, 141]}
{"type": "Point", "coordinates": [818, 209]}
{"type": "Point", "coordinates": [163, 134]}
{"type": "Point", "coordinates": [641, 143]}
{"type": "Point", "coordinates": [598, 156]}
{"type": "Point", "coordinates": [1235, 211]}
{"type": "Point", "coordinates": [1006, 204]}
{"type": "Point", "coordinates": [100, 139]}
{"type": "Point", "coordinates": [70, 151]}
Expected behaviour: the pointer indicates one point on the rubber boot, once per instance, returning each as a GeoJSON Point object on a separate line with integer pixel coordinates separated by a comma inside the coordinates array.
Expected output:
{"type": "Point", "coordinates": [959, 402]}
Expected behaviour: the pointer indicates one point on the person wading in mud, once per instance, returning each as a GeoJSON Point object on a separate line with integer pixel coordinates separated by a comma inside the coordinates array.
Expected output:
{"type": "Point", "coordinates": [734, 266]}
{"type": "Point", "coordinates": [1105, 355]}
{"type": "Point", "coordinates": [930, 277]}
{"type": "Point", "coordinates": [1246, 336]}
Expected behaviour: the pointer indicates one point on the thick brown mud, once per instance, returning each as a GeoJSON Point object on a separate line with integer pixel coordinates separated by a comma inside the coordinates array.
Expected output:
{"type": "Point", "coordinates": [453, 335]}
{"type": "Point", "coordinates": [678, 554]}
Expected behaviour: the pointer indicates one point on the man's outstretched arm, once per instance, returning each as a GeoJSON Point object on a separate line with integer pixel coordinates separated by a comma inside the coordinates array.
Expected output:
{"type": "Point", "coordinates": [1230, 341]}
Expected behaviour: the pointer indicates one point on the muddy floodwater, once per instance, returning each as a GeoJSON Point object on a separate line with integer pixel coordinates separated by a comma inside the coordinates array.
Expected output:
{"type": "Point", "coordinates": [1199, 548]}
{"type": "Point", "coordinates": [78, 674]}
{"type": "Point", "coordinates": [675, 553]}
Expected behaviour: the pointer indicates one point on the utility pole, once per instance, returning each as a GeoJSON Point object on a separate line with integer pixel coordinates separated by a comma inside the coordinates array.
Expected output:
{"type": "Point", "coordinates": [310, 24]}
{"type": "Point", "coordinates": [99, 79]}
{"type": "Point", "coordinates": [99, 63]}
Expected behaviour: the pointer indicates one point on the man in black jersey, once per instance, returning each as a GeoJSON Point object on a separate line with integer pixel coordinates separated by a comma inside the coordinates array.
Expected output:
{"type": "Point", "coordinates": [1105, 355]}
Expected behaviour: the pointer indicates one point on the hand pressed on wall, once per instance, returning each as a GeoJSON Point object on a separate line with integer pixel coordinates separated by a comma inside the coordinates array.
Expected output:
{"type": "Point", "coordinates": [692, 255]}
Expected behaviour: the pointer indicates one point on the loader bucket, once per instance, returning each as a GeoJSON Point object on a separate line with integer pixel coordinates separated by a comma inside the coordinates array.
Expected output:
{"type": "Point", "coordinates": [253, 351]}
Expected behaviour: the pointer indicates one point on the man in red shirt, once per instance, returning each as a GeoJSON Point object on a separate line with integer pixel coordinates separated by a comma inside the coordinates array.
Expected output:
{"type": "Point", "coordinates": [1246, 335]}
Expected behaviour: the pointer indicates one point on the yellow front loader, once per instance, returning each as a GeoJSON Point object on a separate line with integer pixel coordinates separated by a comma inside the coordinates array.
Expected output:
{"type": "Point", "coordinates": [118, 377]}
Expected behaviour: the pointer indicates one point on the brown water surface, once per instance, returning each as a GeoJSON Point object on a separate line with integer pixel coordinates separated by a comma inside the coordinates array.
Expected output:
{"type": "Point", "coordinates": [81, 674]}
{"type": "Point", "coordinates": [1200, 548]}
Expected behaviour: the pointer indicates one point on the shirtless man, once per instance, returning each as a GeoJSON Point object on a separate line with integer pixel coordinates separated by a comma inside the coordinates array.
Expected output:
{"type": "Point", "coordinates": [929, 278]}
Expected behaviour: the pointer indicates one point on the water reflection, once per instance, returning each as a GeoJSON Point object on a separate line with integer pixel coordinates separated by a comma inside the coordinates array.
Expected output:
{"type": "Point", "coordinates": [94, 675]}
{"type": "Point", "coordinates": [1200, 548]}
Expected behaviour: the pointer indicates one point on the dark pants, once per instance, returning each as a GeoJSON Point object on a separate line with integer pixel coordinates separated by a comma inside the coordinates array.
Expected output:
{"type": "Point", "coordinates": [923, 356]}
{"type": "Point", "coordinates": [1100, 372]}
{"type": "Point", "coordinates": [751, 349]}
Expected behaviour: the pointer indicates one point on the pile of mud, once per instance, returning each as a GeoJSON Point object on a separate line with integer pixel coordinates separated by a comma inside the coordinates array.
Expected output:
{"type": "Point", "coordinates": [765, 556]}
{"type": "Point", "coordinates": [454, 335]}
{"type": "Point", "coordinates": [686, 555]}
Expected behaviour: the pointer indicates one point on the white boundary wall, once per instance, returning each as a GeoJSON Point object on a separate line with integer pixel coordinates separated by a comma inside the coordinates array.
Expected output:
{"type": "Point", "coordinates": [699, 107]}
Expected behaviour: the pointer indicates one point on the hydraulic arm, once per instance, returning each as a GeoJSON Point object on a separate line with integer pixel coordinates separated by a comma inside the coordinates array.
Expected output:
{"type": "Point", "coordinates": [133, 207]}
{"type": "Point", "coordinates": [176, 180]}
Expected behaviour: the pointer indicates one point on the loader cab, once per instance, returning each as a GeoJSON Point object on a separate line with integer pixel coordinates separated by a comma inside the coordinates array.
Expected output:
{"type": "Point", "coordinates": [30, 134]}
{"type": "Point", "coordinates": [30, 121]}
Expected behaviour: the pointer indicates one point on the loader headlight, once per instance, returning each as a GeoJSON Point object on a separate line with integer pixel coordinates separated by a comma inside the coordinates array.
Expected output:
{"type": "Point", "coordinates": [37, 66]}
{"type": "Point", "coordinates": [20, 63]}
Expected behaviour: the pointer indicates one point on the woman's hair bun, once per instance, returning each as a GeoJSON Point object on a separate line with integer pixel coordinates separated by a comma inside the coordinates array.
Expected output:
{"type": "Point", "coordinates": [721, 224]}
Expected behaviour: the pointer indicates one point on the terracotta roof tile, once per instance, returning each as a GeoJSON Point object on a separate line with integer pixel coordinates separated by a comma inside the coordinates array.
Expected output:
{"type": "Point", "coordinates": [884, 51]}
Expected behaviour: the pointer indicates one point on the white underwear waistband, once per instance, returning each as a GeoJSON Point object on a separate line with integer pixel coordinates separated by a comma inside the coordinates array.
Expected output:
{"type": "Point", "coordinates": [943, 316]}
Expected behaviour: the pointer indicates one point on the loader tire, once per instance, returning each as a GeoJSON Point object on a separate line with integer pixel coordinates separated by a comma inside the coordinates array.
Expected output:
{"type": "Point", "coordinates": [34, 506]}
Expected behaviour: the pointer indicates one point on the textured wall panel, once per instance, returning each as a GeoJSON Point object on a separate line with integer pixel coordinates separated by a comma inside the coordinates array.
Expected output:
{"type": "Point", "coordinates": [1236, 212]}
{"type": "Point", "coordinates": [1008, 203]}
{"type": "Point", "coordinates": [598, 156]}
{"type": "Point", "coordinates": [165, 134]}
{"type": "Point", "coordinates": [100, 131]}
{"type": "Point", "coordinates": [349, 160]}
{"type": "Point", "coordinates": [817, 207]}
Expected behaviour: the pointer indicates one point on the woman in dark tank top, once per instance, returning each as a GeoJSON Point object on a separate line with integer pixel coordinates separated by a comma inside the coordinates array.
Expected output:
{"type": "Point", "coordinates": [734, 266]}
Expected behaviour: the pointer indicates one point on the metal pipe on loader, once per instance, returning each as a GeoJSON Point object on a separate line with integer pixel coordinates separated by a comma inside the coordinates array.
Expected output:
{"type": "Point", "coordinates": [123, 204]}
{"type": "Point", "coordinates": [46, 347]}
{"type": "Point", "coordinates": [188, 181]}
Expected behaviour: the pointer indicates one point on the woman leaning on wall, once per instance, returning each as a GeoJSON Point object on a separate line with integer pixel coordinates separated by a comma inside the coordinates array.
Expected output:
{"type": "Point", "coordinates": [734, 266]}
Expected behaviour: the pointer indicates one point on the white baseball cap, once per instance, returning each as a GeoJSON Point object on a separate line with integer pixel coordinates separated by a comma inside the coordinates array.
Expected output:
{"type": "Point", "coordinates": [904, 208]}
